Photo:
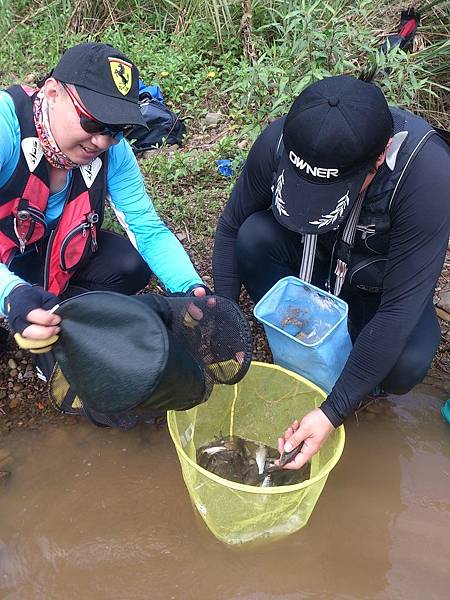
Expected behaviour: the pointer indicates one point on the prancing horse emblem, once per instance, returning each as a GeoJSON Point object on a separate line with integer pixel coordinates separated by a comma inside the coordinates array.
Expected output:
{"type": "Point", "coordinates": [121, 74]}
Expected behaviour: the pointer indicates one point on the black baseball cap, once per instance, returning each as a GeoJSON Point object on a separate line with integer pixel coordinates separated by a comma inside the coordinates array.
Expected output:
{"type": "Point", "coordinates": [106, 81]}
{"type": "Point", "coordinates": [332, 136]}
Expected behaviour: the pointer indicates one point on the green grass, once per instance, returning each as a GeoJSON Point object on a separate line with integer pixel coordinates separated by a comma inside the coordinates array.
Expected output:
{"type": "Point", "coordinates": [194, 50]}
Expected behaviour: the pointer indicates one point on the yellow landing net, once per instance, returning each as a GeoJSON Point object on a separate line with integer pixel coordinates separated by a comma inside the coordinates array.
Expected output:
{"type": "Point", "coordinates": [259, 408]}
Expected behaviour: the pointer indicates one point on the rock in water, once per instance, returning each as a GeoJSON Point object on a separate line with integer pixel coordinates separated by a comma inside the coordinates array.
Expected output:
{"type": "Point", "coordinates": [4, 476]}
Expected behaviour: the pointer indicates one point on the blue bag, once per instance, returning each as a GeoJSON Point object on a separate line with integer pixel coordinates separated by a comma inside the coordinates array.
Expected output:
{"type": "Point", "coordinates": [153, 90]}
{"type": "Point", "coordinates": [164, 126]}
{"type": "Point", "coordinates": [307, 330]}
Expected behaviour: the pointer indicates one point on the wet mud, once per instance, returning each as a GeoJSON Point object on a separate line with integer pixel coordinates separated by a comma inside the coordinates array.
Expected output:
{"type": "Point", "coordinates": [92, 514]}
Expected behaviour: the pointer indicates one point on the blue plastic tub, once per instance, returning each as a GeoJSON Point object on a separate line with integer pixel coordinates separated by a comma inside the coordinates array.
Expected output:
{"type": "Point", "coordinates": [306, 329]}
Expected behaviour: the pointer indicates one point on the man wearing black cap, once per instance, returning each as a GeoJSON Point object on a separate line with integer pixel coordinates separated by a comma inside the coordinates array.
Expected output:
{"type": "Point", "coordinates": [63, 153]}
{"type": "Point", "coordinates": [354, 197]}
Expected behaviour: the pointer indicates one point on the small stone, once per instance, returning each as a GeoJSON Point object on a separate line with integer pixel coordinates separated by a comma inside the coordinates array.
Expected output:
{"type": "Point", "coordinates": [18, 355]}
{"type": "Point", "coordinates": [212, 119]}
{"type": "Point", "coordinates": [2, 394]}
{"type": "Point", "coordinates": [13, 373]}
{"type": "Point", "coordinates": [242, 144]}
{"type": "Point", "coordinates": [442, 314]}
{"type": "Point", "coordinates": [444, 300]}
{"type": "Point", "coordinates": [17, 387]}
{"type": "Point", "coordinates": [12, 363]}
{"type": "Point", "coordinates": [14, 403]}
{"type": "Point", "coordinates": [149, 153]}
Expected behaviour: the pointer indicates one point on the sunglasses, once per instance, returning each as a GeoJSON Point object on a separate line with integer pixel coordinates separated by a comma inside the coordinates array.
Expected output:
{"type": "Point", "coordinates": [94, 127]}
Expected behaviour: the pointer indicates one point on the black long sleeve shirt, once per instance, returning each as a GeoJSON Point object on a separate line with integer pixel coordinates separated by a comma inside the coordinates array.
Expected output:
{"type": "Point", "coordinates": [420, 227]}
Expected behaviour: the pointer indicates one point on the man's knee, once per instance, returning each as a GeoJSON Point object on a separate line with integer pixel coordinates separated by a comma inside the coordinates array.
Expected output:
{"type": "Point", "coordinates": [133, 272]}
{"type": "Point", "coordinates": [253, 240]}
{"type": "Point", "coordinates": [116, 267]}
{"type": "Point", "coordinates": [410, 369]}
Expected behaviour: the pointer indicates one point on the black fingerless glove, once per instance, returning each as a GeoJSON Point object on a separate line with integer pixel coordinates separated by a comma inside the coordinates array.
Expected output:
{"type": "Point", "coordinates": [23, 299]}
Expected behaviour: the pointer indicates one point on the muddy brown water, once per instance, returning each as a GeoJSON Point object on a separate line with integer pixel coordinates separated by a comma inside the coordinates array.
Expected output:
{"type": "Point", "coordinates": [94, 514]}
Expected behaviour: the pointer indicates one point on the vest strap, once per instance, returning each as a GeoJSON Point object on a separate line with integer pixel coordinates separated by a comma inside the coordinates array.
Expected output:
{"type": "Point", "coordinates": [308, 256]}
{"type": "Point", "coordinates": [348, 241]}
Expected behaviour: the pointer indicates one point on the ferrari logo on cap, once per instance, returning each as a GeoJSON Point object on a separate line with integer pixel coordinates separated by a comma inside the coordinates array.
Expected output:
{"type": "Point", "coordinates": [121, 74]}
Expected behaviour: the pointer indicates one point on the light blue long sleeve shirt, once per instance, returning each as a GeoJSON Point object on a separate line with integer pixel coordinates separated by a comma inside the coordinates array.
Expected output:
{"type": "Point", "coordinates": [158, 246]}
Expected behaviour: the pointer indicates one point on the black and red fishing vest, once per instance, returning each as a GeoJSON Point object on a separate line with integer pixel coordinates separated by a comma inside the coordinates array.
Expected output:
{"type": "Point", "coordinates": [24, 198]}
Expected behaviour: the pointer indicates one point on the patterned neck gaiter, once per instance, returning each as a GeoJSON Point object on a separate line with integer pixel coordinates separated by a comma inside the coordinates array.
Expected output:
{"type": "Point", "coordinates": [51, 150]}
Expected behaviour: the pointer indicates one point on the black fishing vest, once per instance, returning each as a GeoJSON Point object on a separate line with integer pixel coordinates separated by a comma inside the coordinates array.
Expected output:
{"type": "Point", "coordinates": [369, 255]}
{"type": "Point", "coordinates": [24, 199]}
{"type": "Point", "coordinates": [367, 258]}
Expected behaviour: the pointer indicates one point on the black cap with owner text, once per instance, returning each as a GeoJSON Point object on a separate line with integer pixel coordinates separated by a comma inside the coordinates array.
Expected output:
{"type": "Point", "coordinates": [332, 137]}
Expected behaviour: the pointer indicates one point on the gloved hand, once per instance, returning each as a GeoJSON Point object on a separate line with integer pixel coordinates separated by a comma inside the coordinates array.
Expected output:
{"type": "Point", "coordinates": [33, 326]}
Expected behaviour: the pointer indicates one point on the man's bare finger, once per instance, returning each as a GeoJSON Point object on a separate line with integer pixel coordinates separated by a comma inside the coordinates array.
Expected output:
{"type": "Point", "coordinates": [199, 292]}
{"type": "Point", "coordinates": [195, 312]}
{"type": "Point", "coordinates": [43, 317]}
{"type": "Point", "coordinates": [40, 332]}
{"type": "Point", "coordinates": [298, 462]}
{"type": "Point", "coordinates": [240, 357]}
{"type": "Point", "coordinates": [280, 445]}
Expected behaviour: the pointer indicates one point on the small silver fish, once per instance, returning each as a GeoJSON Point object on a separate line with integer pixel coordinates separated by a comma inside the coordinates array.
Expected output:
{"type": "Point", "coordinates": [245, 461]}
{"type": "Point", "coordinates": [213, 450]}
{"type": "Point", "coordinates": [261, 457]}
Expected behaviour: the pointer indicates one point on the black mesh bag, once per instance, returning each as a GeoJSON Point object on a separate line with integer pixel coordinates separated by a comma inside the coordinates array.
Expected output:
{"type": "Point", "coordinates": [123, 354]}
